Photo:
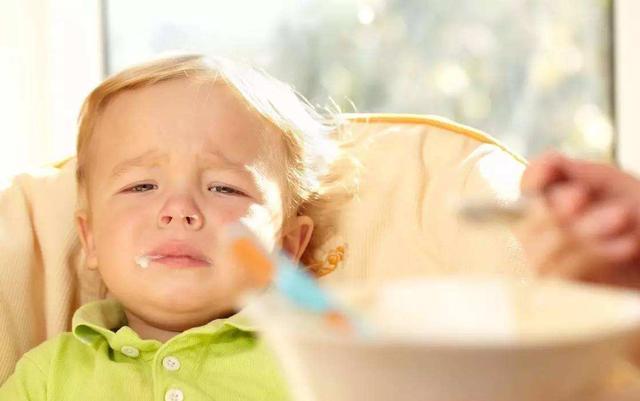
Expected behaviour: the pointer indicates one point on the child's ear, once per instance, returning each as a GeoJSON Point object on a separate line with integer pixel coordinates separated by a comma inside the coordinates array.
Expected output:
{"type": "Point", "coordinates": [296, 236]}
{"type": "Point", "coordinates": [86, 237]}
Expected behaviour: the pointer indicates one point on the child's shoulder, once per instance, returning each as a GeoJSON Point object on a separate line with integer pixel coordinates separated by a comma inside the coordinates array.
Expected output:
{"type": "Point", "coordinates": [51, 351]}
{"type": "Point", "coordinates": [34, 370]}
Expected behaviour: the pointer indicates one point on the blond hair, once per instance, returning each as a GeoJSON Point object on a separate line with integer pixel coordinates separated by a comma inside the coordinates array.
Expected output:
{"type": "Point", "coordinates": [317, 163]}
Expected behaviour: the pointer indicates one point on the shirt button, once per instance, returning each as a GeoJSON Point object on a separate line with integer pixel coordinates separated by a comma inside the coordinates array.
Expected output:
{"type": "Point", "coordinates": [171, 363]}
{"type": "Point", "coordinates": [130, 351]}
{"type": "Point", "coordinates": [173, 394]}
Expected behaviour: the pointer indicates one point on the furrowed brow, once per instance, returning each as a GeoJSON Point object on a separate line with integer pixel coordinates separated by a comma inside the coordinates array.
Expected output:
{"type": "Point", "coordinates": [148, 159]}
{"type": "Point", "coordinates": [218, 159]}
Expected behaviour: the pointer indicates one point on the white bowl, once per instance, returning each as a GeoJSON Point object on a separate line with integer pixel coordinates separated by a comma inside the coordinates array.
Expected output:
{"type": "Point", "coordinates": [457, 339]}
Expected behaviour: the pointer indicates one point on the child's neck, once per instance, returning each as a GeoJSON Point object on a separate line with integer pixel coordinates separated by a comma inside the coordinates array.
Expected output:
{"type": "Point", "coordinates": [148, 331]}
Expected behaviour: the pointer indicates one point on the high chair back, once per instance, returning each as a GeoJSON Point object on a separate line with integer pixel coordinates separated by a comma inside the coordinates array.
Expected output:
{"type": "Point", "coordinates": [416, 172]}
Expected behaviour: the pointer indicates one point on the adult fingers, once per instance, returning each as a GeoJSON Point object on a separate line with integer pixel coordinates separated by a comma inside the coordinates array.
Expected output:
{"type": "Point", "coordinates": [604, 220]}
{"type": "Point", "coordinates": [567, 200]}
{"type": "Point", "coordinates": [620, 250]}
{"type": "Point", "coordinates": [542, 172]}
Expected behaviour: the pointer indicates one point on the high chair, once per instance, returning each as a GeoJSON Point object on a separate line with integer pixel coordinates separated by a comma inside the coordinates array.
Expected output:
{"type": "Point", "coordinates": [403, 221]}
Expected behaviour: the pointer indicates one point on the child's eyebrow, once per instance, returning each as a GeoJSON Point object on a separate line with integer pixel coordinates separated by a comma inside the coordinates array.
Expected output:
{"type": "Point", "coordinates": [216, 158]}
{"type": "Point", "coordinates": [150, 158]}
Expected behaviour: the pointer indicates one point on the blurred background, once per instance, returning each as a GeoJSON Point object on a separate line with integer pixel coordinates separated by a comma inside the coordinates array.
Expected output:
{"type": "Point", "coordinates": [533, 73]}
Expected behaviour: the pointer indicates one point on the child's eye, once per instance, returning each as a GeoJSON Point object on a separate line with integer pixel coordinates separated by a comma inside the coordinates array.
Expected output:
{"type": "Point", "coordinates": [142, 188]}
{"type": "Point", "coordinates": [223, 189]}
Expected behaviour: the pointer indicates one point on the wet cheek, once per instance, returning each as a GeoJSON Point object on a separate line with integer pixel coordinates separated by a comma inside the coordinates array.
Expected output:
{"type": "Point", "coordinates": [118, 234]}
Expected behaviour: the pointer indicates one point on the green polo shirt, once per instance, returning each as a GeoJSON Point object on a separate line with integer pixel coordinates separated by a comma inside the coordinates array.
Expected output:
{"type": "Point", "coordinates": [103, 359]}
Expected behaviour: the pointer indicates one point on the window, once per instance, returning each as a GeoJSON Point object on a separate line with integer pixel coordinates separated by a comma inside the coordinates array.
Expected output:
{"type": "Point", "coordinates": [627, 29]}
{"type": "Point", "coordinates": [50, 58]}
{"type": "Point", "coordinates": [535, 74]}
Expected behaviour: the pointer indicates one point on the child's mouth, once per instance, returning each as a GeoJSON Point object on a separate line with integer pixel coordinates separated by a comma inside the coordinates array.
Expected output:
{"type": "Point", "coordinates": [181, 261]}
{"type": "Point", "coordinates": [174, 254]}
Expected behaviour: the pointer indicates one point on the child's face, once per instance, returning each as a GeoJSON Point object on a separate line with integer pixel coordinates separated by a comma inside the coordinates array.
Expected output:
{"type": "Point", "coordinates": [170, 164]}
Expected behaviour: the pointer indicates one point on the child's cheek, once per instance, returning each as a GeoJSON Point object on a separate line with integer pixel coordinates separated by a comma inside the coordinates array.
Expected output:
{"type": "Point", "coordinates": [260, 218]}
{"type": "Point", "coordinates": [265, 224]}
{"type": "Point", "coordinates": [123, 228]}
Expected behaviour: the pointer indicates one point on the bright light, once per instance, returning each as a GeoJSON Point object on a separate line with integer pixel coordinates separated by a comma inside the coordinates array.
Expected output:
{"type": "Point", "coordinates": [366, 15]}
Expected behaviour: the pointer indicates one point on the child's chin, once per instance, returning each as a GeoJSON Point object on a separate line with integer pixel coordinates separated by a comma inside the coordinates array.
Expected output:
{"type": "Point", "coordinates": [203, 306]}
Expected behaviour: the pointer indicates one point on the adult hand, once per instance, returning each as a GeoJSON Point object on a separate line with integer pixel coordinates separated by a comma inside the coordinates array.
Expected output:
{"type": "Point", "coordinates": [585, 222]}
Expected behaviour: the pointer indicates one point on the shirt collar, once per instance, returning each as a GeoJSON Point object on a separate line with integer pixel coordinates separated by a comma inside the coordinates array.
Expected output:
{"type": "Point", "coordinates": [106, 320]}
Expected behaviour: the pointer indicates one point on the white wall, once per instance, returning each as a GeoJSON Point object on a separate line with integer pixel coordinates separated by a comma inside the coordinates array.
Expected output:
{"type": "Point", "coordinates": [627, 85]}
{"type": "Point", "coordinates": [50, 58]}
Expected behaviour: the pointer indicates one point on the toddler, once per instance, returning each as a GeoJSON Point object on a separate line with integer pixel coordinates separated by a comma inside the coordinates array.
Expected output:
{"type": "Point", "coordinates": [168, 153]}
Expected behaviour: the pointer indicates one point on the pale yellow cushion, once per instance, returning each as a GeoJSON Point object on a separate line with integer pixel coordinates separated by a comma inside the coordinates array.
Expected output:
{"type": "Point", "coordinates": [41, 276]}
{"type": "Point", "coordinates": [401, 223]}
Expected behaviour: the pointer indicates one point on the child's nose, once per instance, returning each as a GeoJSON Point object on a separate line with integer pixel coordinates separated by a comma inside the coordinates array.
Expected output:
{"type": "Point", "coordinates": [189, 217]}
{"type": "Point", "coordinates": [192, 221]}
